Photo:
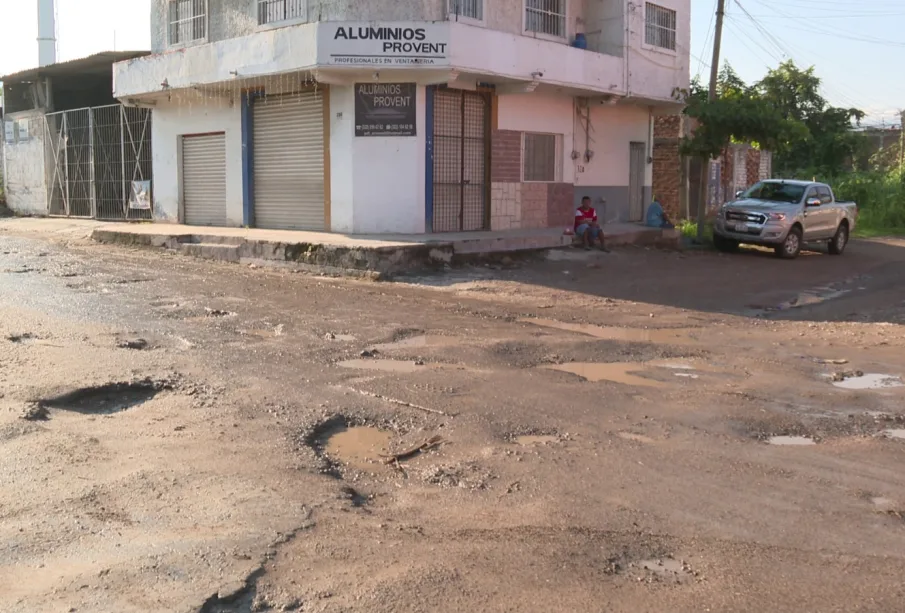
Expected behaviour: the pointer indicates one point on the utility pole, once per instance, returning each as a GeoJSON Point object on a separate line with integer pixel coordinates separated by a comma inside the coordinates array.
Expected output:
{"type": "Point", "coordinates": [714, 74]}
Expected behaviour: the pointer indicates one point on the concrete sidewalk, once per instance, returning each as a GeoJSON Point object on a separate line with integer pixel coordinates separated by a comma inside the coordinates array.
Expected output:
{"type": "Point", "coordinates": [385, 254]}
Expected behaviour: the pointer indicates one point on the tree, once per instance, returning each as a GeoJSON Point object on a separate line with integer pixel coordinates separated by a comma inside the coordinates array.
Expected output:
{"type": "Point", "coordinates": [738, 114]}
{"type": "Point", "coordinates": [829, 144]}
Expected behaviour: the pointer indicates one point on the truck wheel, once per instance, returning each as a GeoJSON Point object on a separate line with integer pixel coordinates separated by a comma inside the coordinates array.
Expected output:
{"type": "Point", "coordinates": [840, 240]}
{"type": "Point", "coordinates": [726, 245]}
{"type": "Point", "coordinates": [791, 247]}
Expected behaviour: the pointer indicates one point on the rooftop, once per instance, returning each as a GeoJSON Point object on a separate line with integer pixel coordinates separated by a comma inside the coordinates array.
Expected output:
{"type": "Point", "coordinates": [97, 64]}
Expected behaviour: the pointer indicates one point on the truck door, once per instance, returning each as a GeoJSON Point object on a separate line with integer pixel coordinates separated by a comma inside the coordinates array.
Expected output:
{"type": "Point", "coordinates": [828, 213]}
{"type": "Point", "coordinates": [811, 216]}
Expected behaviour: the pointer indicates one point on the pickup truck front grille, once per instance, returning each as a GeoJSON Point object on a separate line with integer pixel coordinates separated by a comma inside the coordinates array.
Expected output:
{"type": "Point", "coordinates": [755, 218]}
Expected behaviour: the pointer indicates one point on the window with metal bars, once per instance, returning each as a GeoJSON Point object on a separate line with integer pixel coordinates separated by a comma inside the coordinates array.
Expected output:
{"type": "Point", "coordinates": [470, 9]}
{"type": "Point", "coordinates": [273, 11]}
{"type": "Point", "coordinates": [546, 17]}
{"type": "Point", "coordinates": [660, 26]}
{"type": "Point", "coordinates": [540, 159]}
{"type": "Point", "coordinates": [188, 21]}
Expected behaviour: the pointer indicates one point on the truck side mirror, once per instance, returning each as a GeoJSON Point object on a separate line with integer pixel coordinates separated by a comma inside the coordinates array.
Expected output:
{"type": "Point", "coordinates": [811, 202]}
{"type": "Point", "coordinates": [738, 194]}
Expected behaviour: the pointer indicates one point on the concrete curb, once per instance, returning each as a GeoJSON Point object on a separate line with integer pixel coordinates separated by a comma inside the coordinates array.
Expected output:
{"type": "Point", "coordinates": [370, 262]}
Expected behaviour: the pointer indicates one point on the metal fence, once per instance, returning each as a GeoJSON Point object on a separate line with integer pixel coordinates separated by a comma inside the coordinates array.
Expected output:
{"type": "Point", "coordinates": [94, 156]}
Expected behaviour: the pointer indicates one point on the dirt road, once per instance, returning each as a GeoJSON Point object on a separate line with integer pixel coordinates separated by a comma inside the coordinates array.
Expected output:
{"type": "Point", "coordinates": [639, 431]}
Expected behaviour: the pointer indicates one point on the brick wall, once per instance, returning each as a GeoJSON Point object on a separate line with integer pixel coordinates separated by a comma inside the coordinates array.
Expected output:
{"type": "Point", "coordinates": [505, 156]}
{"type": "Point", "coordinates": [667, 170]}
{"type": "Point", "coordinates": [560, 205]}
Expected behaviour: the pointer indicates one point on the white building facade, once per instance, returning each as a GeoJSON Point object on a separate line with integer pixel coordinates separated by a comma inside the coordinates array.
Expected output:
{"type": "Point", "coordinates": [405, 116]}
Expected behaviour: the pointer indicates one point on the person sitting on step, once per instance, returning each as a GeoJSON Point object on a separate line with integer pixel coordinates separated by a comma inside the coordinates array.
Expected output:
{"type": "Point", "coordinates": [587, 227]}
{"type": "Point", "coordinates": [656, 217]}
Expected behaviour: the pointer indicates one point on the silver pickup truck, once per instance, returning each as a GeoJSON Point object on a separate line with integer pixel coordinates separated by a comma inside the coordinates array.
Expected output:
{"type": "Point", "coordinates": [785, 215]}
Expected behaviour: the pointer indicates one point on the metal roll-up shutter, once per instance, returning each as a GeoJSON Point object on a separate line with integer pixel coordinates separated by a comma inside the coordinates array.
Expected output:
{"type": "Point", "coordinates": [288, 152]}
{"type": "Point", "coordinates": [204, 179]}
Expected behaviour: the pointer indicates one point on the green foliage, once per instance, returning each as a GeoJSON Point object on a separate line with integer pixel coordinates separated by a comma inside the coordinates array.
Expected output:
{"type": "Point", "coordinates": [737, 114]}
{"type": "Point", "coordinates": [880, 198]}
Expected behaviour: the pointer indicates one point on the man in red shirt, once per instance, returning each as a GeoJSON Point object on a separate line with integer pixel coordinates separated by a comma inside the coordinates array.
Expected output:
{"type": "Point", "coordinates": [586, 226]}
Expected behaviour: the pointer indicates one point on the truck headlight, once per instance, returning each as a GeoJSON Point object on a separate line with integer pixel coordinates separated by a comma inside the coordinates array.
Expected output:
{"type": "Point", "coordinates": [776, 216]}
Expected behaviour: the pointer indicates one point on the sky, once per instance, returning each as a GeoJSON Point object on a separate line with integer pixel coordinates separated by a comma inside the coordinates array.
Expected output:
{"type": "Point", "coordinates": [857, 47]}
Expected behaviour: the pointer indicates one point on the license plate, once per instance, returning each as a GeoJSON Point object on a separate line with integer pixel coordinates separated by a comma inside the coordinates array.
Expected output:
{"type": "Point", "coordinates": [741, 227]}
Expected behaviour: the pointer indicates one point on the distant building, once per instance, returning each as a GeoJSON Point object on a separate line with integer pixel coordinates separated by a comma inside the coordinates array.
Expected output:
{"type": "Point", "coordinates": [69, 148]}
{"type": "Point", "coordinates": [389, 116]}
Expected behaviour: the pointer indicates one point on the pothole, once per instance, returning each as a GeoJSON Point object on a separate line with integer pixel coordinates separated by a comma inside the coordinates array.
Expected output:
{"type": "Point", "coordinates": [616, 372]}
{"type": "Point", "coordinates": [530, 440]}
{"type": "Point", "coordinates": [857, 380]}
{"type": "Point", "coordinates": [794, 441]}
{"type": "Point", "coordinates": [106, 399]}
{"type": "Point", "coordinates": [395, 366]}
{"type": "Point", "coordinates": [21, 339]}
{"type": "Point", "coordinates": [419, 342]}
{"type": "Point", "coordinates": [137, 344]}
{"type": "Point", "coordinates": [208, 312]}
{"type": "Point", "coordinates": [667, 569]}
{"type": "Point", "coordinates": [641, 335]}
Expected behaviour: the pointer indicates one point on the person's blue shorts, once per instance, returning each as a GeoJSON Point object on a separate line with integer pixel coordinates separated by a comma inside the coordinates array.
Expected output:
{"type": "Point", "coordinates": [580, 230]}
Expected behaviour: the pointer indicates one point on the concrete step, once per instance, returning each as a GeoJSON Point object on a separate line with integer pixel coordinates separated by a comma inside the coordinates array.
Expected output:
{"type": "Point", "coordinates": [510, 243]}
{"type": "Point", "coordinates": [211, 251]}
{"type": "Point", "coordinates": [210, 239]}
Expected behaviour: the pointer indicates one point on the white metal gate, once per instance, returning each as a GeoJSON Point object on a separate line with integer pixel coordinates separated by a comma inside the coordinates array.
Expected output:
{"type": "Point", "coordinates": [204, 179]}
{"type": "Point", "coordinates": [94, 155]}
{"type": "Point", "coordinates": [637, 165]}
{"type": "Point", "coordinates": [288, 159]}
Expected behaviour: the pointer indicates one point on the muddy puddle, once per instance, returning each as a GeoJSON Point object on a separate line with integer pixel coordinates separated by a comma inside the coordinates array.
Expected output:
{"type": "Point", "coordinates": [530, 440]}
{"type": "Point", "coordinates": [420, 342]}
{"type": "Point", "coordinates": [394, 366]}
{"type": "Point", "coordinates": [869, 381]}
{"type": "Point", "coordinates": [359, 446]}
{"type": "Point", "coordinates": [791, 441]}
{"type": "Point", "coordinates": [612, 333]}
{"type": "Point", "coordinates": [615, 372]}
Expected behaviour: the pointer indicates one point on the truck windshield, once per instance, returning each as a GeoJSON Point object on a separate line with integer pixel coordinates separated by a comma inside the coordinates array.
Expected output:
{"type": "Point", "coordinates": [776, 192]}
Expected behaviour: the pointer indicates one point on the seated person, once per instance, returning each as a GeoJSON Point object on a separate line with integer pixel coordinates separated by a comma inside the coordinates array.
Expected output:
{"type": "Point", "coordinates": [586, 226]}
{"type": "Point", "coordinates": [656, 218]}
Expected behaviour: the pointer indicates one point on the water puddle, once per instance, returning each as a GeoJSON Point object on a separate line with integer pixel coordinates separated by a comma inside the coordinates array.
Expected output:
{"type": "Point", "coordinates": [359, 447]}
{"type": "Point", "coordinates": [616, 372]}
{"type": "Point", "coordinates": [896, 433]}
{"type": "Point", "coordinates": [419, 342]}
{"type": "Point", "coordinates": [869, 381]}
{"type": "Point", "coordinates": [530, 440]}
{"type": "Point", "coordinates": [396, 366]}
{"type": "Point", "coordinates": [640, 335]}
{"type": "Point", "coordinates": [807, 298]}
{"type": "Point", "coordinates": [793, 441]}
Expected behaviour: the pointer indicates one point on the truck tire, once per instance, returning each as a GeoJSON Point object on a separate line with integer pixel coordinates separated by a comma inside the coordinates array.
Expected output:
{"type": "Point", "coordinates": [840, 240]}
{"type": "Point", "coordinates": [726, 245]}
{"type": "Point", "coordinates": [791, 246]}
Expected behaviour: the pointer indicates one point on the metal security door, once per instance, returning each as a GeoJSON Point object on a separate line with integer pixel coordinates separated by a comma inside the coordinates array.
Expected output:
{"type": "Point", "coordinates": [637, 163]}
{"type": "Point", "coordinates": [204, 179]}
{"type": "Point", "coordinates": [289, 183]}
{"type": "Point", "coordinates": [461, 164]}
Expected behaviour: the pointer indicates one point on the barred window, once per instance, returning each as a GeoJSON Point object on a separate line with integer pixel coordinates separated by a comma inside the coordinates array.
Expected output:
{"type": "Point", "coordinates": [546, 17]}
{"type": "Point", "coordinates": [188, 21]}
{"type": "Point", "coordinates": [541, 158]}
{"type": "Point", "coordinates": [471, 9]}
{"type": "Point", "coordinates": [274, 11]}
{"type": "Point", "coordinates": [660, 27]}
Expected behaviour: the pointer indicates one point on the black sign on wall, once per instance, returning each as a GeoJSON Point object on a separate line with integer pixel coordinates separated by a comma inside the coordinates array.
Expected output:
{"type": "Point", "coordinates": [385, 109]}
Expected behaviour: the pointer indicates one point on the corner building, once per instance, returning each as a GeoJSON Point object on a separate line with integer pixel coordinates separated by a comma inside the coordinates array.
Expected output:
{"type": "Point", "coordinates": [405, 116]}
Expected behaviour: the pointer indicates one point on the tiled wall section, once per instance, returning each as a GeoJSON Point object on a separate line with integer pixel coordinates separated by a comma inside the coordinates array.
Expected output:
{"type": "Point", "coordinates": [505, 206]}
